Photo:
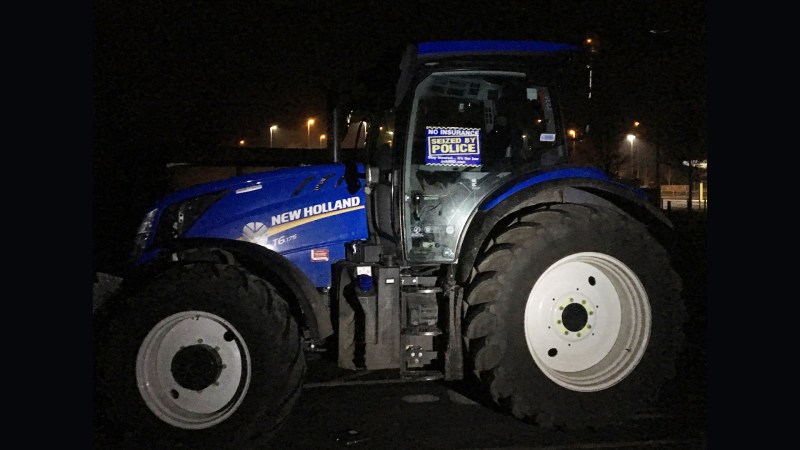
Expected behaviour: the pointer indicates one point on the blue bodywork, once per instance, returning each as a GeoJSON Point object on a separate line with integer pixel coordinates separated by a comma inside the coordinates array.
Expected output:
{"type": "Point", "coordinates": [480, 46]}
{"type": "Point", "coordinates": [581, 172]}
{"type": "Point", "coordinates": [306, 214]}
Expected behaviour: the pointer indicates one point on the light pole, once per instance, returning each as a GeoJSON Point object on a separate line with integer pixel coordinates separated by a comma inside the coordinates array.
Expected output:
{"type": "Point", "coordinates": [321, 138]}
{"type": "Point", "coordinates": [308, 137]}
{"type": "Point", "coordinates": [631, 139]}
{"type": "Point", "coordinates": [271, 130]}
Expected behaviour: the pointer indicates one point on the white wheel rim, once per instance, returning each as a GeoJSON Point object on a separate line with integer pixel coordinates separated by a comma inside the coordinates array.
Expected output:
{"type": "Point", "coordinates": [168, 382]}
{"type": "Point", "coordinates": [587, 321]}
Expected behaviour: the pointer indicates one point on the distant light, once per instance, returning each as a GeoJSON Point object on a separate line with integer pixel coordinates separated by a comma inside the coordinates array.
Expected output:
{"type": "Point", "coordinates": [630, 137]}
{"type": "Point", "coordinates": [271, 131]}
{"type": "Point", "coordinates": [241, 142]}
{"type": "Point", "coordinates": [572, 133]}
{"type": "Point", "coordinates": [308, 133]}
{"type": "Point", "coordinates": [695, 163]}
{"type": "Point", "coordinates": [635, 124]}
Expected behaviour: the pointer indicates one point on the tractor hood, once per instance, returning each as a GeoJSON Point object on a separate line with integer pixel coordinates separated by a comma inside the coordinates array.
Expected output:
{"type": "Point", "coordinates": [304, 213]}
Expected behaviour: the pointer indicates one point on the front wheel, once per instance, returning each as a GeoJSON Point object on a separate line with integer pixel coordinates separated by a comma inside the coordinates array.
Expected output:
{"type": "Point", "coordinates": [204, 355]}
{"type": "Point", "coordinates": [573, 316]}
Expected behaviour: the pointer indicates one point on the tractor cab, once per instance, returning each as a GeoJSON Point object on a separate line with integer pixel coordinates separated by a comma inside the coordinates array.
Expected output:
{"type": "Point", "coordinates": [468, 117]}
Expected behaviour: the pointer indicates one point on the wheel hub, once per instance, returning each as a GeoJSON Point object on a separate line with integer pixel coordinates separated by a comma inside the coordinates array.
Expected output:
{"type": "Point", "coordinates": [196, 367]}
{"type": "Point", "coordinates": [574, 317]}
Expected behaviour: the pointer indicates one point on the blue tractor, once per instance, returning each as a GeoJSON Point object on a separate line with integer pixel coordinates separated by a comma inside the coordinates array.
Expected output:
{"type": "Point", "coordinates": [465, 246]}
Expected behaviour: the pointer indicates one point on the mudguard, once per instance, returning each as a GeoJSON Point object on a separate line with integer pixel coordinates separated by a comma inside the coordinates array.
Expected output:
{"type": "Point", "coordinates": [294, 286]}
{"type": "Point", "coordinates": [568, 185]}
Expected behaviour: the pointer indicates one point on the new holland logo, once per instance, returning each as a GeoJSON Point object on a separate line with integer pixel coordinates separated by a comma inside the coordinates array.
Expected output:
{"type": "Point", "coordinates": [300, 216]}
{"type": "Point", "coordinates": [275, 235]}
{"type": "Point", "coordinates": [320, 209]}
{"type": "Point", "coordinates": [255, 232]}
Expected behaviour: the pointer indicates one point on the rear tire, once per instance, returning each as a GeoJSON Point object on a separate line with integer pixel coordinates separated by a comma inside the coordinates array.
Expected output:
{"type": "Point", "coordinates": [573, 317]}
{"type": "Point", "coordinates": [203, 355]}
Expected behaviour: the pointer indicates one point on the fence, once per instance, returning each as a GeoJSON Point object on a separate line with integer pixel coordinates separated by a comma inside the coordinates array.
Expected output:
{"type": "Point", "coordinates": [677, 196]}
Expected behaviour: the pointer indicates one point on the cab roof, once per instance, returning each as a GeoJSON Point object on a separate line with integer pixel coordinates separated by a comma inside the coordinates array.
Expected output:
{"type": "Point", "coordinates": [451, 48]}
{"type": "Point", "coordinates": [424, 54]}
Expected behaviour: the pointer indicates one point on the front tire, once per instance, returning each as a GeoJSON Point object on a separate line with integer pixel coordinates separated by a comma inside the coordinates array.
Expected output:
{"type": "Point", "coordinates": [573, 316]}
{"type": "Point", "coordinates": [203, 355]}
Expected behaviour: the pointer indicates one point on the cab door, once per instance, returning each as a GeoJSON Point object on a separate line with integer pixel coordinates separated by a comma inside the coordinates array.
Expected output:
{"type": "Point", "coordinates": [469, 131]}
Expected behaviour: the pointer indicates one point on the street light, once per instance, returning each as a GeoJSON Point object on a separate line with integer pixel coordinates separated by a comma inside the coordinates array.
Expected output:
{"type": "Point", "coordinates": [631, 137]}
{"type": "Point", "coordinates": [573, 135]}
{"type": "Point", "coordinates": [271, 130]}
{"type": "Point", "coordinates": [308, 137]}
{"type": "Point", "coordinates": [321, 137]}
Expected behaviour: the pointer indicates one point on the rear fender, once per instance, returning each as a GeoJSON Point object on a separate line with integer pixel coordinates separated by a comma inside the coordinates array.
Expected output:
{"type": "Point", "coordinates": [589, 191]}
{"type": "Point", "coordinates": [294, 285]}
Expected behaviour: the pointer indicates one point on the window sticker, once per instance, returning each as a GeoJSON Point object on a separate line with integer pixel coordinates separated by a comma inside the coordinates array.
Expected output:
{"type": "Point", "coordinates": [453, 146]}
{"type": "Point", "coordinates": [547, 137]}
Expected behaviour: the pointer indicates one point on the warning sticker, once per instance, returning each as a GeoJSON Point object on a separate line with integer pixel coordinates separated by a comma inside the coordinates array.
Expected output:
{"type": "Point", "coordinates": [319, 254]}
{"type": "Point", "coordinates": [453, 146]}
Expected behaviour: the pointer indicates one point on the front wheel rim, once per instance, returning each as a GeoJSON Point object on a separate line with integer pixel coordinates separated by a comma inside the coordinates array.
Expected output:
{"type": "Point", "coordinates": [193, 369]}
{"type": "Point", "coordinates": [587, 321]}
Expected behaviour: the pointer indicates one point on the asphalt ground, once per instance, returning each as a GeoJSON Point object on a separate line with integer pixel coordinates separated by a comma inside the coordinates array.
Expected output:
{"type": "Point", "coordinates": [432, 415]}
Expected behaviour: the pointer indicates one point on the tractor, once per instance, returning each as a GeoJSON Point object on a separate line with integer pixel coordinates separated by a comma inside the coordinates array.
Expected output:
{"type": "Point", "coordinates": [462, 244]}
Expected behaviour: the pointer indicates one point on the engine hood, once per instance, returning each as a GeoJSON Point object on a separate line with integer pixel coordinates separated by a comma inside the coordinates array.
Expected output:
{"type": "Point", "coordinates": [304, 213]}
{"type": "Point", "coordinates": [283, 183]}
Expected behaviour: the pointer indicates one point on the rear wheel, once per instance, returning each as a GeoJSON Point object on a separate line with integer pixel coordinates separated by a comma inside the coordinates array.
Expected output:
{"type": "Point", "coordinates": [573, 316]}
{"type": "Point", "coordinates": [204, 355]}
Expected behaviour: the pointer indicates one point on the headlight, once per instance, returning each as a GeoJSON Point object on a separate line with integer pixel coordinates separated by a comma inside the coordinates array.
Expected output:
{"type": "Point", "coordinates": [179, 217]}
{"type": "Point", "coordinates": [143, 233]}
{"type": "Point", "coordinates": [173, 221]}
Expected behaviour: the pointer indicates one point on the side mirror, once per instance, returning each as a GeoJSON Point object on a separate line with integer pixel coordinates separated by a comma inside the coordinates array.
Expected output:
{"type": "Point", "coordinates": [351, 176]}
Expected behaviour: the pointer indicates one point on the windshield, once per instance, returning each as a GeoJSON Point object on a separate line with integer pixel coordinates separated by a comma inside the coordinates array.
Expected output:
{"type": "Point", "coordinates": [470, 131]}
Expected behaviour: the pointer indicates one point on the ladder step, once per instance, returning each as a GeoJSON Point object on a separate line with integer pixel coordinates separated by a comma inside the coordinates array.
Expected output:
{"type": "Point", "coordinates": [421, 331]}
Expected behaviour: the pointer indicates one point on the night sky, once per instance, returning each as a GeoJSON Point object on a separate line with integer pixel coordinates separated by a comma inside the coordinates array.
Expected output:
{"type": "Point", "coordinates": [174, 80]}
